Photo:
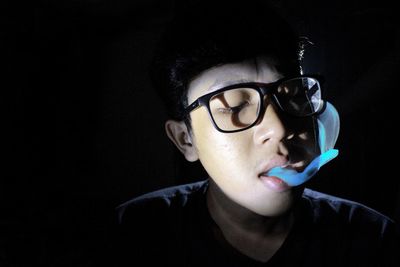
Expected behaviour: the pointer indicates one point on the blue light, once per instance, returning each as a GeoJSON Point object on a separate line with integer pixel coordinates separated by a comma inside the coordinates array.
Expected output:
{"type": "Point", "coordinates": [328, 129]}
{"type": "Point", "coordinates": [294, 178]}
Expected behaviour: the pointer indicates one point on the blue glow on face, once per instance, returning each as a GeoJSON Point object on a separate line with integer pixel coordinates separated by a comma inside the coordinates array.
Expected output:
{"type": "Point", "coordinates": [294, 178]}
{"type": "Point", "coordinates": [328, 128]}
{"type": "Point", "coordinates": [322, 137]}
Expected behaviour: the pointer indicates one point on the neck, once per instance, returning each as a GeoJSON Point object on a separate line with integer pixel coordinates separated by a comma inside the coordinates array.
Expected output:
{"type": "Point", "coordinates": [234, 219]}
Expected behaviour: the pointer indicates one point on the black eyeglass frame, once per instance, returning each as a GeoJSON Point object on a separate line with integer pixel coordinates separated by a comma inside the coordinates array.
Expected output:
{"type": "Point", "coordinates": [263, 89]}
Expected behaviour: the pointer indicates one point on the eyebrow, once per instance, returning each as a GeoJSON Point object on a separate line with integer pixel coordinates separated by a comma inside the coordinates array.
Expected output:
{"type": "Point", "coordinates": [218, 84]}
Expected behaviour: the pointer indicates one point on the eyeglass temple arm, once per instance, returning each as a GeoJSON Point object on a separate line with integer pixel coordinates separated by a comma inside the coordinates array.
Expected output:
{"type": "Point", "coordinates": [192, 106]}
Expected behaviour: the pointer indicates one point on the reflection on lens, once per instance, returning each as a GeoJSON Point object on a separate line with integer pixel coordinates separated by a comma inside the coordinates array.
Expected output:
{"type": "Point", "coordinates": [300, 96]}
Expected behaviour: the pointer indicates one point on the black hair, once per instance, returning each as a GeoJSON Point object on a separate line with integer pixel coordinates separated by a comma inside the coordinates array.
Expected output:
{"type": "Point", "coordinates": [205, 34]}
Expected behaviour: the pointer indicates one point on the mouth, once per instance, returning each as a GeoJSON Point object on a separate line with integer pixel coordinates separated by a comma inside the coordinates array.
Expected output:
{"type": "Point", "coordinates": [295, 178]}
{"type": "Point", "coordinates": [275, 183]}
{"type": "Point", "coordinates": [296, 166]}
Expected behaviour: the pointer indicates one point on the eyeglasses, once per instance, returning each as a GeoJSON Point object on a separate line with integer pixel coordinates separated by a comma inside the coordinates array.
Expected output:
{"type": "Point", "coordinates": [238, 107]}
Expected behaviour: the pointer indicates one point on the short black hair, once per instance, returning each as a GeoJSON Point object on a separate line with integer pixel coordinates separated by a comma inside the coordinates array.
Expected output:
{"type": "Point", "coordinates": [204, 34]}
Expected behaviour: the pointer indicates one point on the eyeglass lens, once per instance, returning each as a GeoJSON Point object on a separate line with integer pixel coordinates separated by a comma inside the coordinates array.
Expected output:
{"type": "Point", "coordinates": [238, 108]}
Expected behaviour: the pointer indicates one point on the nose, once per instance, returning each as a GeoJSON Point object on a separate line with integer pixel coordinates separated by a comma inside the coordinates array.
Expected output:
{"type": "Point", "coordinates": [271, 127]}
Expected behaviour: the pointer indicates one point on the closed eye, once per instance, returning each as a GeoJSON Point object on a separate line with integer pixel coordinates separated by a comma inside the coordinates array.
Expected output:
{"type": "Point", "coordinates": [233, 110]}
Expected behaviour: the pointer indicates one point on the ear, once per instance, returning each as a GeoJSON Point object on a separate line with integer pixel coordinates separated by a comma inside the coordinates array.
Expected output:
{"type": "Point", "coordinates": [180, 136]}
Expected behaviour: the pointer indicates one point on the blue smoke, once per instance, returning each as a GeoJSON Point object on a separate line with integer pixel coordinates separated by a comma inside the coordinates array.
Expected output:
{"type": "Point", "coordinates": [328, 128]}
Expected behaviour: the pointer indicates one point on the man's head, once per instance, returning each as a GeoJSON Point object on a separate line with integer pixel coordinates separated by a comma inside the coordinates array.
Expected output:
{"type": "Point", "coordinates": [206, 34]}
{"type": "Point", "coordinates": [207, 51]}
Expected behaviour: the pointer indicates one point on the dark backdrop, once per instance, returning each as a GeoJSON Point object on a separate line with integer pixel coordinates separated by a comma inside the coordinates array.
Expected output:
{"type": "Point", "coordinates": [83, 129]}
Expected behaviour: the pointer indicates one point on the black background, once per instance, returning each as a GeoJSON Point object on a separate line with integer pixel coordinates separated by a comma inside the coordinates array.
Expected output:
{"type": "Point", "coordinates": [83, 130]}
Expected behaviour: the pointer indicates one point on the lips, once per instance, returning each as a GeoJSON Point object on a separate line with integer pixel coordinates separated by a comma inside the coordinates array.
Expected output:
{"type": "Point", "coordinates": [278, 161]}
{"type": "Point", "coordinates": [297, 166]}
{"type": "Point", "coordinates": [275, 183]}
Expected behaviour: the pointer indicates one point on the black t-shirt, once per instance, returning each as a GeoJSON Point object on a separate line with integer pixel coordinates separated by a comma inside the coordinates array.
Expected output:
{"type": "Point", "coordinates": [172, 227]}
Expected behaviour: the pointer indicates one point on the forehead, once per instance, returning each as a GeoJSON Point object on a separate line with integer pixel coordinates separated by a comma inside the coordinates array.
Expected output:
{"type": "Point", "coordinates": [255, 70]}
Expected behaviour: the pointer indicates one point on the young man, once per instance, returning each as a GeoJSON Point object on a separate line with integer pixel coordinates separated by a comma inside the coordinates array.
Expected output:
{"type": "Point", "coordinates": [231, 78]}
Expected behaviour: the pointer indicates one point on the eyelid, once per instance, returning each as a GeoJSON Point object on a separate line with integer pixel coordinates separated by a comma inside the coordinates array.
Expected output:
{"type": "Point", "coordinates": [230, 109]}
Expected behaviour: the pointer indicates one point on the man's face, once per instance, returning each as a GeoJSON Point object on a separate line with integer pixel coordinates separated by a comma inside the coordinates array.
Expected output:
{"type": "Point", "coordinates": [237, 162]}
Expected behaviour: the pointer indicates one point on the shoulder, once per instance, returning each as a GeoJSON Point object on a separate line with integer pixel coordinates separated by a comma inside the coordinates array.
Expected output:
{"type": "Point", "coordinates": [347, 215]}
{"type": "Point", "coordinates": [165, 200]}
{"type": "Point", "coordinates": [155, 223]}
{"type": "Point", "coordinates": [325, 204]}
{"type": "Point", "coordinates": [355, 232]}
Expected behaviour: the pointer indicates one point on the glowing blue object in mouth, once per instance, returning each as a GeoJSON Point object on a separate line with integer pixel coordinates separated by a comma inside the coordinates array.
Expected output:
{"type": "Point", "coordinates": [294, 178]}
{"type": "Point", "coordinates": [328, 129]}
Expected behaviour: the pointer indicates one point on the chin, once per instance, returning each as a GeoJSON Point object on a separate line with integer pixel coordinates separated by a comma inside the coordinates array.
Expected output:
{"type": "Point", "coordinates": [273, 206]}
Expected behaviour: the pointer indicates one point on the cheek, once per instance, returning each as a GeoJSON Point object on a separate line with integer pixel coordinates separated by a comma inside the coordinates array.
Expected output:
{"type": "Point", "coordinates": [303, 143]}
{"type": "Point", "coordinates": [215, 149]}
